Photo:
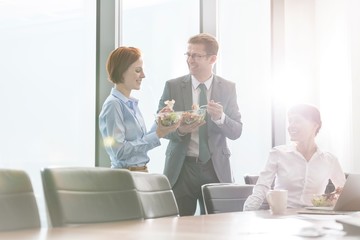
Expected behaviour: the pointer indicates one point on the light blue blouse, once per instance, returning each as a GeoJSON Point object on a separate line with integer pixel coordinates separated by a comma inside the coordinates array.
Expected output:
{"type": "Point", "coordinates": [124, 132]}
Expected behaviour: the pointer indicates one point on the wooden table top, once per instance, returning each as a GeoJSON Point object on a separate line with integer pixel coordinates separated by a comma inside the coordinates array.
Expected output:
{"type": "Point", "coordinates": [236, 225]}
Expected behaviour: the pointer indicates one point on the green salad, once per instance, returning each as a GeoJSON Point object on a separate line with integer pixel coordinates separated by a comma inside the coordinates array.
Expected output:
{"type": "Point", "coordinates": [169, 118]}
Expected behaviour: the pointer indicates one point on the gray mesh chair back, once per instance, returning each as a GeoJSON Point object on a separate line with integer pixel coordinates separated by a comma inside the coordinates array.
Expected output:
{"type": "Point", "coordinates": [18, 207]}
{"type": "Point", "coordinates": [225, 197]}
{"type": "Point", "coordinates": [251, 179]}
{"type": "Point", "coordinates": [155, 194]}
{"type": "Point", "coordinates": [78, 195]}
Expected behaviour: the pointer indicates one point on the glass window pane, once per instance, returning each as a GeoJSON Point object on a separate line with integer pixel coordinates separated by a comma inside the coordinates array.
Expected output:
{"type": "Point", "coordinates": [47, 87]}
{"type": "Point", "coordinates": [158, 30]}
{"type": "Point", "coordinates": [245, 59]}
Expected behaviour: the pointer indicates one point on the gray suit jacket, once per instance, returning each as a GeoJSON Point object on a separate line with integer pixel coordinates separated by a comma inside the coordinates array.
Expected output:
{"type": "Point", "coordinates": [223, 91]}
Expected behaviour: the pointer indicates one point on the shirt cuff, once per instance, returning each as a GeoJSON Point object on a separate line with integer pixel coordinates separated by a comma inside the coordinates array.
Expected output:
{"type": "Point", "coordinates": [219, 121]}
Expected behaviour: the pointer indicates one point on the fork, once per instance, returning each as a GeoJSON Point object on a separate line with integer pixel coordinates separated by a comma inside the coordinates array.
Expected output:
{"type": "Point", "coordinates": [204, 106]}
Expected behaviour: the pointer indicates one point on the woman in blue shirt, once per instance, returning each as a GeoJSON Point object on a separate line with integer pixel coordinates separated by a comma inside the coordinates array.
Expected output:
{"type": "Point", "coordinates": [121, 124]}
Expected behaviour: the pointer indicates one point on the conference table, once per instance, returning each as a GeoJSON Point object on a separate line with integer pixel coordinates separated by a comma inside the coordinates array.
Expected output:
{"type": "Point", "coordinates": [234, 225]}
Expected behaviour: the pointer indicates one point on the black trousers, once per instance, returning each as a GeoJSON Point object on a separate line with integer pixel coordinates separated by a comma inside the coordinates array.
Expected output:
{"type": "Point", "coordinates": [187, 189]}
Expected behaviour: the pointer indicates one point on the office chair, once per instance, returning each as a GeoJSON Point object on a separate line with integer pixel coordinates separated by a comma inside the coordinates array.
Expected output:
{"type": "Point", "coordinates": [251, 179]}
{"type": "Point", "coordinates": [225, 197]}
{"type": "Point", "coordinates": [156, 197]}
{"type": "Point", "coordinates": [77, 195]}
{"type": "Point", "coordinates": [18, 207]}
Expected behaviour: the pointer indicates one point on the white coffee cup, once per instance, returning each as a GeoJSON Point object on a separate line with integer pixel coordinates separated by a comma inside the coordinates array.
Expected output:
{"type": "Point", "coordinates": [277, 200]}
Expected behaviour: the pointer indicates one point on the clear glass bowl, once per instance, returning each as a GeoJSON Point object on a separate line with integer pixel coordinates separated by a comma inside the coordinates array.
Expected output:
{"type": "Point", "coordinates": [190, 117]}
{"type": "Point", "coordinates": [169, 118]}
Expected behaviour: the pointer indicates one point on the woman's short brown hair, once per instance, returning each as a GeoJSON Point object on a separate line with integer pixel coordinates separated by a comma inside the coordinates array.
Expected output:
{"type": "Point", "coordinates": [119, 61]}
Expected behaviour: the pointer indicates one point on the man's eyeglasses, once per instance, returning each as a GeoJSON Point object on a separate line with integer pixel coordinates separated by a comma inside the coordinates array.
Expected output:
{"type": "Point", "coordinates": [195, 56]}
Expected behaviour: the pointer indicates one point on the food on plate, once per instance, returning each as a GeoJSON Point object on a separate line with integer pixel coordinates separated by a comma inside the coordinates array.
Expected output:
{"type": "Point", "coordinates": [324, 200]}
{"type": "Point", "coordinates": [321, 201]}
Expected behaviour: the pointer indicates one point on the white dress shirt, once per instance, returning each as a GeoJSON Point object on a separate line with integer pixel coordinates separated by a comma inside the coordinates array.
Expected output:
{"type": "Point", "coordinates": [193, 148]}
{"type": "Point", "coordinates": [294, 173]}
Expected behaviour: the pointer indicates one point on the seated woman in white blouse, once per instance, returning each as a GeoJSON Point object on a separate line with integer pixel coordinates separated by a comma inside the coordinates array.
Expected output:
{"type": "Point", "coordinates": [302, 167]}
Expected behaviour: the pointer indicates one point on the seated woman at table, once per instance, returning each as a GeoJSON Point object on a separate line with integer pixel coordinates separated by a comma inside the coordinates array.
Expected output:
{"type": "Point", "coordinates": [301, 167]}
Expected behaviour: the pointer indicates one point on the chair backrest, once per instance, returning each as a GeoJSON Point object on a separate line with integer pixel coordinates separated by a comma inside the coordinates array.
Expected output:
{"type": "Point", "coordinates": [155, 194]}
{"type": "Point", "coordinates": [251, 179]}
{"type": "Point", "coordinates": [225, 197]}
{"type": "Point", "coordinates": [18, 207]}
{"type": "Point", "coordinates": [77, 195]}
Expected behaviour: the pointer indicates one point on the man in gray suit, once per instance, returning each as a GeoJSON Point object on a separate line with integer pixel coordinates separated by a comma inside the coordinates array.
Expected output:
{"type": "Point", "coordinates": [186, 170]}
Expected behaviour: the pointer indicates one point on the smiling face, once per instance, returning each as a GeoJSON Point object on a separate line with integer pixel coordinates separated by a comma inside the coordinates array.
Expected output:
{"type": "Point", "coordinates": [199, 62]}
{"type": "Point", "coordinates": [301, 129]}
{"type": "Point", "coordinates": [125, 69]}
{"type": "Point", "coordinates": [132, 77]}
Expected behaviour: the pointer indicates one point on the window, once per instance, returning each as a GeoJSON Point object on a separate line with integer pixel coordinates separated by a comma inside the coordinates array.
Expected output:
{"type": "Point", "coordinates": [163, 41]}
{"type": "Point", "coordinates": [47, 87]}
